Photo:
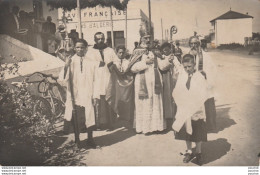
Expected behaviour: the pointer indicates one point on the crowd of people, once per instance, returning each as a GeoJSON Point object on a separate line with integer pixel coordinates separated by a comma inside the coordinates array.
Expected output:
{"type": "Point", "coordinates": [155, 89]}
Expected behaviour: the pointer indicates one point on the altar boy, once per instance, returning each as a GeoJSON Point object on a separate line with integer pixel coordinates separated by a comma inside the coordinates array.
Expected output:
{"type": "Point", "coordinates": [190, 94]}
{"type": "Point", "coordinates": [79, 74]}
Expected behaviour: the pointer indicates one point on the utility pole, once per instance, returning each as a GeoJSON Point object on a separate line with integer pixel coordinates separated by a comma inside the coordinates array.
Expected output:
{"type": "Point", "coordinates": [162, 28]}
{"type": "Point", "coordinates": [79, 22]}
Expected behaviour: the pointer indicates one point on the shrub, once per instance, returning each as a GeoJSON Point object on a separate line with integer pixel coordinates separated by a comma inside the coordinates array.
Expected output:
{"type": "Point", "coordinates": [20, 123]}
{"type": "Point", "coordinates": [27, 130]}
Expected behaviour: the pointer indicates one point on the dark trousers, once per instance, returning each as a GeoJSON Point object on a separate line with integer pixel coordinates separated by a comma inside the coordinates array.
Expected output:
{"type": "Point", "coordinates": [69, 126]}
{"type": "Point", "coordinates": [210, 109]}
{"type": "Point", "coordinates": [106, 114]}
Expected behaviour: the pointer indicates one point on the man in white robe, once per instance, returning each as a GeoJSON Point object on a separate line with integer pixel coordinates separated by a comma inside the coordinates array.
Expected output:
{"type": "Point", "coordinates": [101, 52]}
{"type": "Point", "coordinates": [148, 99]}
{"type": "Point", "coordinates": [207, 66]}
{"type": "Point", "coordinates": [79, 74]}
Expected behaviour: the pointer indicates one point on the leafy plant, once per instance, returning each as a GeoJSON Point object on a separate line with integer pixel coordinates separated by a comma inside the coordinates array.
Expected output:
{"type": "Point", "coordinates": [20, 123]}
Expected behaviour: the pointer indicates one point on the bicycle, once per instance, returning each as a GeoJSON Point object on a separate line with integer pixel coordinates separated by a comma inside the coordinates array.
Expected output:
{"type": "Point", "coordinates": [41, 105]}
{"type": "Point", "coordinates": [52, 91]}
{"type": "Point", "coordinates": [52, 99]}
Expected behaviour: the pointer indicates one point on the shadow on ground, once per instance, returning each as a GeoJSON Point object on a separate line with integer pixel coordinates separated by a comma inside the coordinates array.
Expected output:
{"type": "Point", "coordinates": [223, 119]}
{"type": "Point", "coordinates": [213, 150]}
{"type": "Point", "coordinates": [112, 138]}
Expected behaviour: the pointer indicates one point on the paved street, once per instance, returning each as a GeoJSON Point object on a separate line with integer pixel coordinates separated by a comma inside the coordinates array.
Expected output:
{"type": "Point", "coordinates": [235, 143]}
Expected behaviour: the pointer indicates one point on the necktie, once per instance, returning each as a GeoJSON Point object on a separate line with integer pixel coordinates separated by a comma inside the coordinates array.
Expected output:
{"type": "Point", "coordinates": [188, 82]}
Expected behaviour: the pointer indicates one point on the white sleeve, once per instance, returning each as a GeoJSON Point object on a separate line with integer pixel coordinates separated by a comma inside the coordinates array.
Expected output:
{"type": "Point", "coordinates": [91, 55]}
{"type": "Point", "coordinates": [164, 64]}
{"type": "Point", "coordinates": [139, 66]}
{"type": "Point", "coordinates": [177, 65]}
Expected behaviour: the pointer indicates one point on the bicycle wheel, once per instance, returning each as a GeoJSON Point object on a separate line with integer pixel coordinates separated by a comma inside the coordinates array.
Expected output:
{"type": "Point", "coordinates": [59, 92]}
{"type": "Point", "coordinates": [42, 106]}
{"type": "Point", "coordinates": [57, 106]}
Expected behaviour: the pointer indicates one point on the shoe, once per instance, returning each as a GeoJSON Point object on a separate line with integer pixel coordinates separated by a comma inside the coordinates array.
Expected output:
{"type": "Point", "coordinates": [92, 144]}
{"type": "Point", "coordinates": [188, 157]}
{"type": "Point", "coordinates": [199, 158]}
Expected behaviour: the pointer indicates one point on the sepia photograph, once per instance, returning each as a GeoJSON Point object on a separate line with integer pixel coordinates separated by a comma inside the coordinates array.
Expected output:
{"type": "Point", "coordinates": [129, 83]}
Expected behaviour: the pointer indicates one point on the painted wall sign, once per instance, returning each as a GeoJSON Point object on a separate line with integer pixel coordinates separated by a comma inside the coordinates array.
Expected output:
{"type": "Point", "coordinates": [94, 14]}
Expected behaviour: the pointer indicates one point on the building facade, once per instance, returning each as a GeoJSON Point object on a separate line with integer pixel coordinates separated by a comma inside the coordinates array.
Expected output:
{"type": "Point", "coordinates": [231, 27]}
{"type": "Point", "coordinates": [126, 24]}
{"type": "Point", "coordinates": [98, 19]}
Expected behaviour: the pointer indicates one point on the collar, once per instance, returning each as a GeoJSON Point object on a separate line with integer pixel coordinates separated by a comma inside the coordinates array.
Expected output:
{"type": "Point", "coordinates": [80, 56]}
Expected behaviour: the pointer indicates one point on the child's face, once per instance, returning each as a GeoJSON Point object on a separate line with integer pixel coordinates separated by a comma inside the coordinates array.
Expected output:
{"type": "Point", "coordinates": [120, 53]}
{"type": "Point", "coordinates": [189, 67]}
{"type": "Point", "coordinates": [80, 49]}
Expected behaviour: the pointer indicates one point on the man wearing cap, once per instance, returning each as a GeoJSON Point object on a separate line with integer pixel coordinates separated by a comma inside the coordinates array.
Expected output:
{"type": "Point", "coordinates": [66, 45]}
{"type": "Point", "coordinates": [101, 52]}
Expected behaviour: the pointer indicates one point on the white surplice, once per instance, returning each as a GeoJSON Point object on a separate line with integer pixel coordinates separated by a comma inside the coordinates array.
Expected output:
{"type": "Point", "coordinates": [148, 111]}
{"type": "Point", "coordinates": [84, 87]}
{"type": "Point", "coordinates": [189, 102]}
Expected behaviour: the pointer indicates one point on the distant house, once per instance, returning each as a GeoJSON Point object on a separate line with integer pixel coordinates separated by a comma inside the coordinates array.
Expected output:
{"type": "Point", "coordinates": [231, 27]}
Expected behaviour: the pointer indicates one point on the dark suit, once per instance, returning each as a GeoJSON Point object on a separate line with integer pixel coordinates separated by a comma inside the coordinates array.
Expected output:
{"type": "Point", "coordinates": [48, 30]}
{"type": "Point", "coordinates": [10, 25]}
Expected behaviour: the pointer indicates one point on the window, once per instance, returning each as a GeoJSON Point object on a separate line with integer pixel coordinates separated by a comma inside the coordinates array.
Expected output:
{"type": "Point", "coordinates": [37, 9]}
{"type": "Point", "coordinates": [118, 38]}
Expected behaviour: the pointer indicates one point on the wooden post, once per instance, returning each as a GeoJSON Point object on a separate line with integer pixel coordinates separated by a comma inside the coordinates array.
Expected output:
{"type": "Point", "coordinates": [79, 22]}
{"type": "Point", "coordinates": [150, 18]}
{"type": "Point", "coordinates": [162, 28]}
{"type": "Point", "coordinates": [112, 31]}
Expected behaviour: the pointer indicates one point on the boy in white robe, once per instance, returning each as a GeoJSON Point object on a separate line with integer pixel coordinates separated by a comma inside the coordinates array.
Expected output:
{"type": "Point", "coordinates": [190, 93]}
{"type": "Point", "coordinates": [79, 74]}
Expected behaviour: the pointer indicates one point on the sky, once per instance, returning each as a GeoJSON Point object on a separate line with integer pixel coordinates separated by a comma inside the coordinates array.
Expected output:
{"type": "Point", "coordinates": [194, 15]}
